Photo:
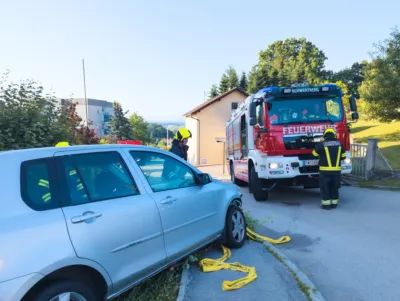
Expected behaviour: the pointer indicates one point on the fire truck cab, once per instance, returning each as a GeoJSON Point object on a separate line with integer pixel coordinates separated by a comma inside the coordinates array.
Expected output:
{"type": "Point", "coordinates": [270, 137]}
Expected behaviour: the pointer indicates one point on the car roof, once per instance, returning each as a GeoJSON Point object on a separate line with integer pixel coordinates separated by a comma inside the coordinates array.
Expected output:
{"type": "Point", "coordinates": [49, 151]}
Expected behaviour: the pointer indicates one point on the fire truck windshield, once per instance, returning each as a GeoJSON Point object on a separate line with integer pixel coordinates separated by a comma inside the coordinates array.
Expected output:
{"type": "Point", "coordinates": [309, 110]}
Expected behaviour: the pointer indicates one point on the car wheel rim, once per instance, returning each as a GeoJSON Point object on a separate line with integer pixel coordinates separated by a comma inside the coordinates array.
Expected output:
{"type": "Point", "coordinates": [68, 296]}
{"type": "Point", "coordinates": [239, 230]}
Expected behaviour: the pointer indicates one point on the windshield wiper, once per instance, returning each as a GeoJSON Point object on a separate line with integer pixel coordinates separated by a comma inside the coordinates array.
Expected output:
{"type": "Point", "coordinates": [292, 122]}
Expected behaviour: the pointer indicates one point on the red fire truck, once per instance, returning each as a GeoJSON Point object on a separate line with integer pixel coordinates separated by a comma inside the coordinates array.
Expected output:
{"type": "Point", "coordinates": [270, 137]}
{"type": "Point", "coordinates": [134, 142]}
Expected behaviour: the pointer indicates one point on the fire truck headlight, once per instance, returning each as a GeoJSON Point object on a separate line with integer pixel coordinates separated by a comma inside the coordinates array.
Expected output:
{"type": "Point", "coordinates": [275, 165]}
{"type": "Point", "coordinates": [347, 161]}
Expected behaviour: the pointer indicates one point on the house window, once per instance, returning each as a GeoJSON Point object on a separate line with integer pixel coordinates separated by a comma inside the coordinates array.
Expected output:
{"type": "Point", "coordinates": [234, 106]}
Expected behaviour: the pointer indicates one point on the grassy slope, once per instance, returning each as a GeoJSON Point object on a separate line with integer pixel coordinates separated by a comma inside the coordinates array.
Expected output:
{"type": "Point", "coordinates": [388, 136]}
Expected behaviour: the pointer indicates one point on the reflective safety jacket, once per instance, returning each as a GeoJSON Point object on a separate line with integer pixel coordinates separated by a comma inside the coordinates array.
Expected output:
{"type": "Point", "coordinates": [46, 195]}
{"type": "Point", "coordinates": [330, 152]}
{"type": "Point", "coordinates": [74, 180]}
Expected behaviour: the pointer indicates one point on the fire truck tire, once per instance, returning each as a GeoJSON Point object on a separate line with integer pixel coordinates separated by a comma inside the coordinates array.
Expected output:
{"type": "Point", "coordinates": [256, 186]}
{"type": "Point", "coordinates": [235, 180]}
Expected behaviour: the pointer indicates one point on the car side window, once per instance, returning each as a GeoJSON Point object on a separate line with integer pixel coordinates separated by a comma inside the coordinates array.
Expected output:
{"type": "Point", "coordinates": [39, 184]}
{"type": "Point", "coordinates": [95, 177]}
{"type": "Point", "coordinates": [164, 172]}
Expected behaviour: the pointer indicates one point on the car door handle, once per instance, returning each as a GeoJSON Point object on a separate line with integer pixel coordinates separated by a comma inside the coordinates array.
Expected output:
{"type": "Point", "coordinates": [168, 200]}
{"type": "Point", "coordinates": [85, 216]}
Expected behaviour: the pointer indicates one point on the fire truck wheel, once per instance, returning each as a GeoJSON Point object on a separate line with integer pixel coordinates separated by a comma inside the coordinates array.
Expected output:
{"type": "Point", "coordinates": [256, 186]}
{"type": "Point", "coordinates": [235, 180]}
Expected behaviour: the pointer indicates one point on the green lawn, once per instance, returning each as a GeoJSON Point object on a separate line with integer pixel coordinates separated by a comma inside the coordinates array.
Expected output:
{"type": "Point", "coordinates": [391, 183]}
{"type": "Point", "coordinates": [162, 287]}
{"type": "Point", "coordinates": [388, 136]}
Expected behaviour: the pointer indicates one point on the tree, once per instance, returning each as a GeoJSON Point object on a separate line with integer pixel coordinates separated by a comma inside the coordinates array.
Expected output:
{"type": "Point", "coordinates": [162, 144]}
{"type": "Point", "coordinates": [71, 126]}
{"type": "Point", "coordinates": [380, 90]}
{"type": "Point", "coordinates": [258, 78]}
{"type": "Point", "coordinates": [108, 140]}
{"type": "Point", "coordinates": [243, 84]}
{"type": "Point", "coordinates": [232, 78]}
{"type": "Point", "coordinates": [28, 118]}
{"type": "Point", "coordinates": [156, 131]}
{"type": "Point", "coordinates": [85, 135]}
{"type": "Point", "coordinates": [352, 77]}
{"type": "Point", "coordinates": [224, 84]}
{"type": "Point", "coordinates": [286, 62]}
{"type": "Point", "coordinates": [119, 125]}
{"type": "Point", "coordinates": [139, 127]}
{"type": "Point", "coordinates": [213, 92]}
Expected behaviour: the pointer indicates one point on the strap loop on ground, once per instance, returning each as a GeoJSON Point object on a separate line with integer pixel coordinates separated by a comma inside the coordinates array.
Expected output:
{"type": "Point", "coordinates": [213, 265]}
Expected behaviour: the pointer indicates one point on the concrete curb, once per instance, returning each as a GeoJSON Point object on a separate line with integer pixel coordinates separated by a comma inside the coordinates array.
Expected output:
{"type": "Point", "coordinates": [183, 284]}
{"type": "Point", "coordinates": [315, 295]}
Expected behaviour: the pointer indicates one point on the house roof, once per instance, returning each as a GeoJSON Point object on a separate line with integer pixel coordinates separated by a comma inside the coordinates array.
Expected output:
{"type": "Point", "coordinates": [213, 100]}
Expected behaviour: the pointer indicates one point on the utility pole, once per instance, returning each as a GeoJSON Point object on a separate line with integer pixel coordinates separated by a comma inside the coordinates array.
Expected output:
{"type": "Point", "coordinates": [167, 139]}
{"type": "Point", "coordinates": [84, 87]}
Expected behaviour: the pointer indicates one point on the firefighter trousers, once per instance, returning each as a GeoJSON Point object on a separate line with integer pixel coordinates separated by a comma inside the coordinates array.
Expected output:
{"type": "Point", "coordinates": [329, 183]}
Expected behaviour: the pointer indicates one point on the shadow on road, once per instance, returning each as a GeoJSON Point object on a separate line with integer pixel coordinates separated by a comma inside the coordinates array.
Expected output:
{"type": "Point", "coordinates": [292, 196]}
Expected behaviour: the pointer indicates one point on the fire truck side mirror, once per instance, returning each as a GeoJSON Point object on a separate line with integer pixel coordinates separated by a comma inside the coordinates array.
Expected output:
{"type": "Point", "coordinates": [354, 116]}
{"type": "Point", "coordinates": [353, 103]}
{"type": "Point", "coordinates": [252, 121]}
{"type": "Point", "coordinates": [253, 109]}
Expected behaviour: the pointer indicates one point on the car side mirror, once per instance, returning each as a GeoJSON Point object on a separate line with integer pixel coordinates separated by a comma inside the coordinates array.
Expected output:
{"type": "Point", "coordinates": [354, 116]}
{"type": "Point", "coordinates": [204, 178]}
{"type": "Point", "coordinates": [252, 121]}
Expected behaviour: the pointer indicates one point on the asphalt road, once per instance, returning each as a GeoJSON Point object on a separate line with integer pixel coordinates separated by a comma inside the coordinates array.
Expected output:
{"type": "Point", "coordinates": [351, 253]}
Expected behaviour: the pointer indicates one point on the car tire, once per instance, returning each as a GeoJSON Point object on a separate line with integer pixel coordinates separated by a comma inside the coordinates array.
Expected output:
{"type": "Point", "coordinates": [79, 290]}
{"type": "Point", "coordinates": [235, 180]}
{"type": "Point", "coordinates": [235, 227]}
{"type": "Point", "coordinates": [256, 186]}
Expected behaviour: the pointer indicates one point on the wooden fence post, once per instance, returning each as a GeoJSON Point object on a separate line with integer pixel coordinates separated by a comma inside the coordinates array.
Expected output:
{"type": "Point", "coordinates": [371, 155]}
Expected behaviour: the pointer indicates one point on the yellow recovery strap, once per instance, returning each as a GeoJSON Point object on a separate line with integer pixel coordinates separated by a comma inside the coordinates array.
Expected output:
{"type": "Point", "coordinates": [213, 265]}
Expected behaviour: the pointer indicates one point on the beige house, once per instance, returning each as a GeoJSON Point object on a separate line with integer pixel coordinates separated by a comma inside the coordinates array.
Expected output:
{"type": "Point", "coordinates": [207, 124]}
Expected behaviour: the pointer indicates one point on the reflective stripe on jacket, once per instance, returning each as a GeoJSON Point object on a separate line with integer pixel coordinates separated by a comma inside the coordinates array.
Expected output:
{"type": "Point", "coordinates": [46, 196]}
{"type": "Point", "coordinates": [331, 153]}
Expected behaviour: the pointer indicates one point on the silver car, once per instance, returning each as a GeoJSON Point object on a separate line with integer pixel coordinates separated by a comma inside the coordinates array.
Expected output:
{"type": "Point", "coordinates": [89, 222]}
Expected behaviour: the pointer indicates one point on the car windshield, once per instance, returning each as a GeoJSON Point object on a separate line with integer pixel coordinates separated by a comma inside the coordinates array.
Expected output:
{"type": "Point", "coordinates": [305, 110]}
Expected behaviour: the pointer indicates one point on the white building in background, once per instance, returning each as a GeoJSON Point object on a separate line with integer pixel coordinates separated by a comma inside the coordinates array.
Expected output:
{"type": "Point", "coordinates": [99, 113]}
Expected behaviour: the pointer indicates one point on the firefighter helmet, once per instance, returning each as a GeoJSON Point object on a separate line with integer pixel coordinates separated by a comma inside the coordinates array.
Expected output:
{"type": "Point", "coordinates": [330, 131]}
{"type": "Point", "coordinates": [63, 143]}
{"type": "Point", "coordinates": [182, 133]}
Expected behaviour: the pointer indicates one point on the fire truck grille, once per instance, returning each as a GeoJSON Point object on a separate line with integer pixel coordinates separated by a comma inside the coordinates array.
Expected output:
{"type": "Point", "coordinates": [309, 169]}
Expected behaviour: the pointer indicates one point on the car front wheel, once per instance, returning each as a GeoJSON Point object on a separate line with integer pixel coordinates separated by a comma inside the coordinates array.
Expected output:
{"type": "Point", "coordinates": [235, 227]}
{"type": "Point", "coordinates": [67, 291]}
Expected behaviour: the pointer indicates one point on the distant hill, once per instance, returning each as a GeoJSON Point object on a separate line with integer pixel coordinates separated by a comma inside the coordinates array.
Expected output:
{"type": "Point", "coordinates": [171, 123]}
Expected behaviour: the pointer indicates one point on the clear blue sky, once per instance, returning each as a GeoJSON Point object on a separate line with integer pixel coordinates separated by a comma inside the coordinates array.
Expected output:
{"type": "Point", "coordinates": [158, 57]}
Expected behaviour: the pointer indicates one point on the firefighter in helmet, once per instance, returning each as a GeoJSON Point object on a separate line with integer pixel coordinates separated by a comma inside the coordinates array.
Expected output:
{"type": "Point", "coordinates": [76, 186]}
{"type": "Point", "coordinates": [330, 153]}
{"type": "Point", "coordinates": [179, 144]}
